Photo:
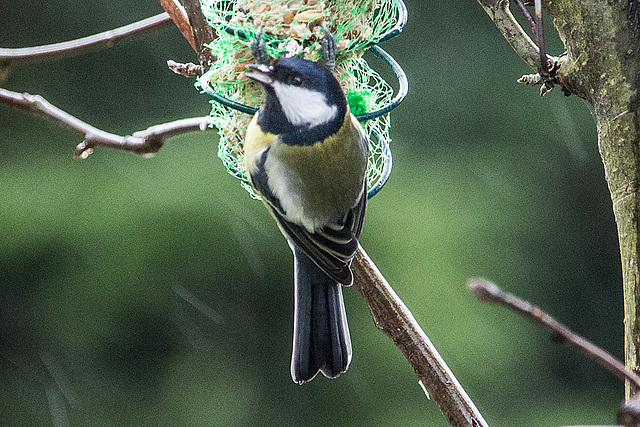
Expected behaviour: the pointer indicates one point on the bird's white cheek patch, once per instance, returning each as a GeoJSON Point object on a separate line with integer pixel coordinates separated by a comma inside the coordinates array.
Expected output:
{"type": "Point", "coordinates": [304, 107]}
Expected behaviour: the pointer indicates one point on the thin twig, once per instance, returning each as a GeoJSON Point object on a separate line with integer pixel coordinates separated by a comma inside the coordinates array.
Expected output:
{"type": "Point", "coordinates": [187, 70]}
{"type": "Point", "coordinates": [394, 319]}
{"type": "Point", "coordinates": [25, 55]}
{"type": "Point", "coordinates": [539, 35]}
{"type": "Point", "coordinates": [147, 141]}
{"type": "Point", "coordinates": [487, 291]}
{"type": "Point", "coordinates": [526, 14]}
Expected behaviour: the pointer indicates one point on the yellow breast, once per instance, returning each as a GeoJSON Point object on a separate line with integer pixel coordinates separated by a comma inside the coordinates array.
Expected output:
{"type": "Point", "coordinates": [315, 184]}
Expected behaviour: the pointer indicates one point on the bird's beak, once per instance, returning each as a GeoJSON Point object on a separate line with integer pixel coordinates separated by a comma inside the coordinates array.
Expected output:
{"type": "Point", "coordinates": [260, 73]}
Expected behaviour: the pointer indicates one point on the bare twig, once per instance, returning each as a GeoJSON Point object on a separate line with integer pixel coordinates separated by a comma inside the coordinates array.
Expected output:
{"type": "Point", "coordinates": [394, 319]}
{"type": "Point", "coordinates": [147, 141]}
{"type": "Point", "coordinates": [187, 70]}
{"type": "Point", "coordinates": [526, 13]}
{"type": "Point", "coordinates": [537, 27]}
{"type": "Point", "coordinates": [539, 35]}
{"type": "Point", "coordinates": [487, 291]}
{"type": "Point", "coordinates": [25, 55]}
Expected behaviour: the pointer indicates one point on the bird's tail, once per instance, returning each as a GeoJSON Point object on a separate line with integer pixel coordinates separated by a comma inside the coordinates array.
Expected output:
{"type": "Point", "coordinates": [321, 340]}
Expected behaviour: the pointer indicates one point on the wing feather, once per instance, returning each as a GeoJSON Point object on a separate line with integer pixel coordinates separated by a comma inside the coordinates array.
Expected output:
{"type": "Point", "coordinates": [332, 247]}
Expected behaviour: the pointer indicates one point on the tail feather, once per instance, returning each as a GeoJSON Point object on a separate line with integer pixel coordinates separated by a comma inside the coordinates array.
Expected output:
{"type": "Point", "coordinates": [321, 340]}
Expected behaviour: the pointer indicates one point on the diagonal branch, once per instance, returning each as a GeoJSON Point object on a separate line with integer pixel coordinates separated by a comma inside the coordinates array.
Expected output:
{"type": "Point", "coordinates": [188, 17]}
{"type": "Point", "coordinates": [147, 141]}
{"type": "Point", "coordinates": [393, 317]}
{"type": "Point", "coordinates": [203, 34]}
{"type": "Point", "coordinates": [27, 55]}
{"type": "Point", "coordinates": [179, 17]}
{"type": "Point", "coordinates": [489, 292]}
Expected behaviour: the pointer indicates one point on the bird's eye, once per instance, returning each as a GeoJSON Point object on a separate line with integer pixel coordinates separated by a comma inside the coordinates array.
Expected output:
{"type": "Point", "coordinates": [295, 80]}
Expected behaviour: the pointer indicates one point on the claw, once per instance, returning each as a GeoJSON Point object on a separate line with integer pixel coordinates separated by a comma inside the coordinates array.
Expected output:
{"type": "Point", "coordinates": [329, 49]}
{"type": "Point", "coordinates": [257, 49]}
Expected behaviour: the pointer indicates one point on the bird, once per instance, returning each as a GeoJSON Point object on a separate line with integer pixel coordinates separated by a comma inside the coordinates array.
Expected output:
{"type": "Point", "coordinates": [306, 156]}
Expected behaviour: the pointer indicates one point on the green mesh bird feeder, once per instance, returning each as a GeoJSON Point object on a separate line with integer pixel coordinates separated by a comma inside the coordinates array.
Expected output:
{"type": "Point", "coordinates": [294, 27]}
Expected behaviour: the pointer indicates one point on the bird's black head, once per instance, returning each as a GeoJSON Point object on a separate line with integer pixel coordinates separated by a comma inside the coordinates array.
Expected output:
{"type": "Point", "coordinates": [304, 99]}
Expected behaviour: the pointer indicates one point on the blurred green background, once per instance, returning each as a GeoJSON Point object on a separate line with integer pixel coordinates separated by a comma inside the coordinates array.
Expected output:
{"type": "Point", "coordinates": [141, 292]}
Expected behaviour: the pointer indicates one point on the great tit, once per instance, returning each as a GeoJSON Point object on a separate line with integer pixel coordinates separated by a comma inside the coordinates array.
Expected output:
{"type": "Point", "coordinates": [306, 155]}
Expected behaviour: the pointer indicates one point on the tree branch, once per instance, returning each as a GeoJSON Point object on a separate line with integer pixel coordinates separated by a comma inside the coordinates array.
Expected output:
{"type": "Point", "coordinates": [489, 292]}
{"type": "Point", "coordinates": [519, 40]}
{"type": "Point", "coordinates": [29, 55]}
{"type": "Point", "coordinates": [533, 54]}
{"type": "Point", "coordinates": [392, 317]}
{"type": "Point", "coordinates": [203, 34]}
{"type": "Point", "coordinates": [144, 142]}
{"type": "Point", "coordinates": [188, 16]}
{"type": "Point", "coordinates": [179, 17]}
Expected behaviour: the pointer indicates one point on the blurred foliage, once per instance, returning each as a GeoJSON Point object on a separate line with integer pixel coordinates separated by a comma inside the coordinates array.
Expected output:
{"type": "Point", "coordinates": [106, 264]}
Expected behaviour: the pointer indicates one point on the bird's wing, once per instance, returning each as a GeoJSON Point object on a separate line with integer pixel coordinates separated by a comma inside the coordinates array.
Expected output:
{"type": "Point", "coordinates": [331, 248]}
